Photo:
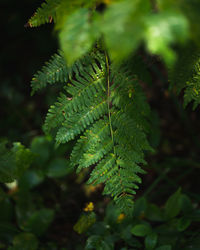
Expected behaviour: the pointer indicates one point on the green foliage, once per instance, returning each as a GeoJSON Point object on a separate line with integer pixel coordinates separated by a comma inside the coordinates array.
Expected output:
{"type": "Point", "coordinates": [104, 104]}
{"type": "Point", "coordinates": [23, 215]}
{"type": "Point", "coordinates": [173, 205]}
{"type": "Point", "coordinates": [77, 35]}
{"type": "Point", "coordinates": [56, 11]}
{"type": "Point", "coordinates": [45, 13]}
{"type": "Point", "coordinates": [130, 23]}
{"type": "Point", "coordinates": [14, 161]}
{"type": "Point", "coordinates": [185, 75]}
{"type": "Point", "coordinates": [111, 53]}
{"type": "Point", "coordinates": [54, 71]}
{"type": "Point", "coordinates": [192, 90]}
{"type": "Point", "coordinates": [100, 111]}
{"type": "Point", "coordinates": [85, 222]}
{"type": "Point", "coordinates": [25, 241]}
{"type": "Point", "coordinates": [140, 230]}
{"type": "Point", "coordinates": [143, 232]}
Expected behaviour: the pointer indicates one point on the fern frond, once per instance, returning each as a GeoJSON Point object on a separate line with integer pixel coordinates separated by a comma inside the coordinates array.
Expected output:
{"type": "Point", "coordinates": [81, 88]}
{"type": "Point", "coordinates": [54, 10]}
{"type": "Point", "coordinates": [54, 71]}
{"type": "Point", "coordinates": [192, 90]}
{"type": "Point", "coordinates": [111, 123]}
{"type": "Point", "coordinates": [183, 70]}
{"type": "Point", "coordinates": [45, 14]}
{"type": "Point", "coordinates": [186, 74]}
{"type": "Point", "coordinates": [77, 123]}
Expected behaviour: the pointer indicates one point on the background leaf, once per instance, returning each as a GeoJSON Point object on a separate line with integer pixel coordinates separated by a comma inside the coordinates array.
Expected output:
{"type": "Point", "coordinates": [173, 205]}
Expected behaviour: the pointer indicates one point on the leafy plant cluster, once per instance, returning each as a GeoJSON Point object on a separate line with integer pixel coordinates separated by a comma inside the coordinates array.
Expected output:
{"type": "Point", "coordinates": [24, 215]}
{"type": "Point", "coordinates": [151, 227]}
{"type": "Point", "coordinates": [108, 51]}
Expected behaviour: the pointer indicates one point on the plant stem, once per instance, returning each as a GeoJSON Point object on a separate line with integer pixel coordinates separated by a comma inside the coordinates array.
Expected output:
{"type": "Point", "coordinates": [108, 99]}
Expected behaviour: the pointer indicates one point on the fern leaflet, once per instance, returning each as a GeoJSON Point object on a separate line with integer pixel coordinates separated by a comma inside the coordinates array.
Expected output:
{"type": "Point", "coordinates": [45, 14]}
{"type": "Point", "coordinates": [192, 90]}
{"type": "Point", "coordinates": [54, 71]}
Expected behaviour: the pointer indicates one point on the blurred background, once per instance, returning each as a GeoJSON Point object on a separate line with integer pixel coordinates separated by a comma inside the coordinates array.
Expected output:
{"type": "Point", "coordinates": [23, 52]}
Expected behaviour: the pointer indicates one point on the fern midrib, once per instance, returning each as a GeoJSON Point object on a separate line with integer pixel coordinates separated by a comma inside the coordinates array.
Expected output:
{"type": "Point", "coordinates": [109, 117]}
{"type": "Point", "coordinates": [108, 100]}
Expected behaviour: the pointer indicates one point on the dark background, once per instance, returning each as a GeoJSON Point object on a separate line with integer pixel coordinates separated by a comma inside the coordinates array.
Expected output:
{"type": "Point", "coordinates": [23, 52]}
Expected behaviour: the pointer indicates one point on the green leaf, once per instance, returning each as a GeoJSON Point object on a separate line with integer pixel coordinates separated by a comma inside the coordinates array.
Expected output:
{"type": "Point", "coordinates": [39, 221]}
{"type": "Point", "coordinates": [186, 204]}
{"type": "Point", "coordinates": [41, 146]}
{"type": "Point", "coordinates": [58, 167]}
{"type": "Point", "coordinates": [30, 179]}
{"type": "Point", "coordinates": [164, 247]}
{"type": "Point", "coordinates": [77, 35]}
{"type": "Point", "coordinates": [139, 207]}
{"type": "Point", "coordinates": [45, 13]}
{"type": "Point", "coordinates": [54, 71]}
{"type": "Point", "coordinates": [85, 222]}
{"type": "Point", "coordinates": [14, 161]}
{"type": "Point", "coordinates": [99, 243]}
{"type": "Point", "coordinates": [23, 158]}
{"type": "Point", "coordinates": [151, 241]}
{"type": "Point", "coordinates": [25, 241]}
{"type": "Point", "coordinates": [164, 29]}
{"type": "Point", "coordinates": [154, 213]}
{"type": "Point", "coordinates": [141, 230]}
{"type": "Point", "coordinates": [124, 22]}
{"type": "Point", "coordinates": [173, 205]}
{"type": "Point", "coordinates": [183, 224]}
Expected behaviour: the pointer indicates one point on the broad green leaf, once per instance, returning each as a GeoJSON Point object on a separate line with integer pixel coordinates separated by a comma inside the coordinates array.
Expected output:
{"type": "Point", "coordinates": [123, 27]}
{"type": "Point", "coordinates": [77, 35]}
{"type": "Point", "coordinates": [191, 11]}
{"type": "Point", "coordinates": [183, 224]}
{"type": "Point", "coordinates": [85, 222]}
{"type": "Point", "coordinates": [58, 167]}
{"type": "Point", "coordinates": [141, 230]}
{"type": "Point", "coordinates": [163, 30]}
{"type": "Point", "coordinates": [23, 158]}
{"type": "Point", "coordinates": [39, 221]}
{"type": "Point", "coordinates": [30, 179]}
{"type": "Point", "coordinates": [112, 213]}
{"type": "Point", "coordinates": [25, 241]}
{"type": "Point", "coordinates": [93, 241]}
{"type": "Point", "coordinates": [140, 207]}
{"type": "Point", "coordinates": [97, 242]}
{"type": "Point", "coordinates": [186, 204]}
{"type": "Point", "coordinates": [173, 205]}
{"type": "Point", "coordinates": [41, 147]}
{"type": "Point", "coordinates": [14, 161]}
{"type": "Point", "coordinates": [151, 241]}
{"type": "Point", "coordinates": [154, 213]}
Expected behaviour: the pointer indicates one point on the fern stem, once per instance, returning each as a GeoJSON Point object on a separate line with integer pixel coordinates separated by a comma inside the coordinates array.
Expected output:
{"type": "Point", "coordinates": [108, 99]}
{"type": "Point", "coordinates": [109, 115]}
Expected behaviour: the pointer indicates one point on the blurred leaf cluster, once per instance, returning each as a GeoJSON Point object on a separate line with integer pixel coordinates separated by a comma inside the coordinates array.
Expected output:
{"type": "Point", "coordinates": [152, 227]}
{"type": "Point", "coordinates": [23, 213]}
{"type": "Point", "coordinates": [159, 25]}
